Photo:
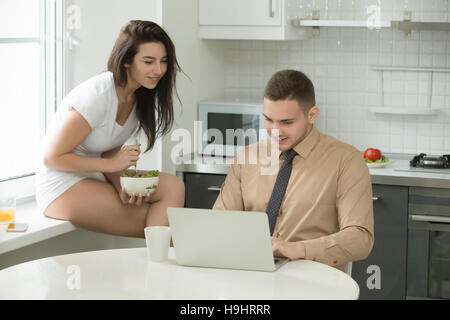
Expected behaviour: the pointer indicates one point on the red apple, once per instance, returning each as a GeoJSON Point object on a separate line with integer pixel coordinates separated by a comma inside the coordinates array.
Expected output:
{"type": "Point", "coordinates": [372, 154]}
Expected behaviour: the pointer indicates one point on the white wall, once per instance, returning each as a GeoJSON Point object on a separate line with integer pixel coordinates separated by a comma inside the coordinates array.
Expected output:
{"type": "Point", "coordinates": [203, 61]}
{"type": "Point", "coordinates": [101, 21]}
{"type": "Point", "coordinates": [339, 62]}
{"type": "Point", "coordinates": [100, 25]}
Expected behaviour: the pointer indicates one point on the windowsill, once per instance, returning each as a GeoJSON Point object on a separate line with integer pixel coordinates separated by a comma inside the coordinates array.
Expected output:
{"type": "Point", "coordinates": [39, 227]}
{"type": "Point", "coordinates": [22, 188]}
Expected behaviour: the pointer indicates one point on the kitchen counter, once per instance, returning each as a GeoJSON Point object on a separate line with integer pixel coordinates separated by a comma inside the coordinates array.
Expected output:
{"type": "Point", "coordinates": [391, 174]}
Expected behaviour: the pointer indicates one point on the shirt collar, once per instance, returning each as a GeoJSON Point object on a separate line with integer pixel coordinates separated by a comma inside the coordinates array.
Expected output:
{"type": "Point", "coordinates": [304, 147]}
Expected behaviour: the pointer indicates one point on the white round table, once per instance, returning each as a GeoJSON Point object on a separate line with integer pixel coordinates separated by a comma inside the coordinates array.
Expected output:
{"type": "Point", "coordinates": [129, 274]}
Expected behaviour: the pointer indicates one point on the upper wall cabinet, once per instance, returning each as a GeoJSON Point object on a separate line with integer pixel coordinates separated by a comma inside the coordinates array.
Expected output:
{"type": "Point", "coordinates": [247, 19]}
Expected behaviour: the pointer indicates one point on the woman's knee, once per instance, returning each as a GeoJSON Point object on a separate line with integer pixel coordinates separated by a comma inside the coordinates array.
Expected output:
{"type": "Point", "coordinates": [177, 189]}
{"type": "Point", "coordinates": [178, 185]}
{"type": "Point", "coordinates": [175, 186]}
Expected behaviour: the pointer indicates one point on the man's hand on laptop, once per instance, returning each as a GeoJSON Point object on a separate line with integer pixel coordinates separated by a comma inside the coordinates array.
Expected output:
{"type": "Point", "coordinates": [290, 250]}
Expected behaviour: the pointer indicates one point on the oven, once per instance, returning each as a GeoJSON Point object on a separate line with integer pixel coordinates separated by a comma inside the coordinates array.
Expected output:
{"type": "Point", "coordinates": [428, 259]}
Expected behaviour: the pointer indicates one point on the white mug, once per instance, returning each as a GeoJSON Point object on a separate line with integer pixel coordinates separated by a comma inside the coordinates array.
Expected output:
{"type": "Point", "coordinates": [158, 242]}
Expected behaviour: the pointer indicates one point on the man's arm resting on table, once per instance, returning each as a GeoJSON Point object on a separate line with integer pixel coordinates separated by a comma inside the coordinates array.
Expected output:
{"type": "Point", "coordinates": [335, 249]}
{"type": "Point", "coordinates": [351, 244]}
{"type": "Point", "coordinates": [354, 240]}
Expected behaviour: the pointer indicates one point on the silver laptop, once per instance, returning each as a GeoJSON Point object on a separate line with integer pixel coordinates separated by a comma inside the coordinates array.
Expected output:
{"type": "Point", "coordinates": [222, 239]}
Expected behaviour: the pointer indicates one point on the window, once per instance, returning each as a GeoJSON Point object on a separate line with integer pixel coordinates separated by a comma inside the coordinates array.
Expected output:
{"type": "Point", "coordinates": [29, 61]}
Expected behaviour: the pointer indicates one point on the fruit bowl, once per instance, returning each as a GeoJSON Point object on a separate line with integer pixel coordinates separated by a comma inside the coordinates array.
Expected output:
{"type": "Point", "coordinates": [145, 182]}
{"type": "Point", "coordinates": [379, 164]}
{"type": "Point", "coordinates": [375, 159]}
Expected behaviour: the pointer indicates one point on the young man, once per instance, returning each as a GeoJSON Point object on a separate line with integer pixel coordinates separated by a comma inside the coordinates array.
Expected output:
{"type": "Point", "coordinates": [325, 212]}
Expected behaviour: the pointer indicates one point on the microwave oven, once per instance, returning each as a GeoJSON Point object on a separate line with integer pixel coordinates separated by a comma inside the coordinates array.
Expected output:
{"type": "Point", "coordinates": [229, 126]}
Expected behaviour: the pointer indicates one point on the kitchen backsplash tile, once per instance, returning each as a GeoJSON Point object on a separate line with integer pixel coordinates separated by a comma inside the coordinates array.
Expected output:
{"type": "Point", "coordinates": [339, 61]}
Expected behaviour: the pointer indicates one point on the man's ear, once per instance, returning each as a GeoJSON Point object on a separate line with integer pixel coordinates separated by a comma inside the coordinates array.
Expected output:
{"type": "Point", "coordinates": [312, 114]}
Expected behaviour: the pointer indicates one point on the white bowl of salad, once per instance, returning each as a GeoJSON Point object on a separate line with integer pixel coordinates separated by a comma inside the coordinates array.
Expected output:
{"type": "Point", "coordinates": [140, 182]}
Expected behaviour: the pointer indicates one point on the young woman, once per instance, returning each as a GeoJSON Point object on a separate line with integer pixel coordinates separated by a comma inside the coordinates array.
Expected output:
{"type": "Point", "coordinates": [83, 156]}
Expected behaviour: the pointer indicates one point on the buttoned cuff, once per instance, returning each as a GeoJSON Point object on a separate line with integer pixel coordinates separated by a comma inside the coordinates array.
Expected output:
{"type": "Point", "coordinates": [316, 250]}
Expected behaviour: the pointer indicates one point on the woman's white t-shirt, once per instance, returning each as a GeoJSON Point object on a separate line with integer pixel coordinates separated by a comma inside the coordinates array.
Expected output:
{"type": "Point", "coordinates": [96, 100]}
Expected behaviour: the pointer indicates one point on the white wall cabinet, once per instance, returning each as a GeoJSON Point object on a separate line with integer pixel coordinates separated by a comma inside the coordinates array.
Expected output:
{"type": "Point", "coordinates": [247, 19]}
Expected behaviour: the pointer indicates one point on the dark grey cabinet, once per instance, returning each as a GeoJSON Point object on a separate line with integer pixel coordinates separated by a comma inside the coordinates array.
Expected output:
{"type": "Point", "coordinates": [202, 189]}
{"type": "Point", "coordinates": [382, 275]}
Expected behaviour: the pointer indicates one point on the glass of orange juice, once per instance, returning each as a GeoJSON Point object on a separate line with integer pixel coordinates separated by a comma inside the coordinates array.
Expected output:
{"type": "Point", "coordinates": [7, 209]}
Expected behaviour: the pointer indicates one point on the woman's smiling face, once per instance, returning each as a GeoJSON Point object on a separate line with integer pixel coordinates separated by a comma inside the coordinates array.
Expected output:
{"type": "Point", "coordinates": [149, 65]}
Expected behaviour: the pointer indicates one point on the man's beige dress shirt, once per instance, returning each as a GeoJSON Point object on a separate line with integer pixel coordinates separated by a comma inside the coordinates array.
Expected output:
{"type": "Point", "coordinates": [328, 200]}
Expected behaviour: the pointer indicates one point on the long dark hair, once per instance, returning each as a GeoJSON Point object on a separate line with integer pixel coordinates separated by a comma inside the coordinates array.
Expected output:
{"type": "Point", "coordinates": [154, 107]}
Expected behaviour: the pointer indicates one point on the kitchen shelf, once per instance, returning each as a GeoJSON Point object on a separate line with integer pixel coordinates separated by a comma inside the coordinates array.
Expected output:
{"type": "Point", "coordinates": [407, 68]}
{"type": "Point", "coordinates": [406, 24]}
{"type": "Point", "coordinates": [423, 111]}
{"type": "Point", "coordinates": [416, 25]}
{"type": "Point", "coordinates": [336, 23]}
{"type": "Point", "coordinates": [401, 110]}
{"type": "Point", "coordinates": [401, 25]}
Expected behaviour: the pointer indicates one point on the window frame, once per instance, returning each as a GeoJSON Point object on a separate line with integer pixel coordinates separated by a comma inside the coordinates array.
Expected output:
{"type": "Point", "coordinates": [51, 24]}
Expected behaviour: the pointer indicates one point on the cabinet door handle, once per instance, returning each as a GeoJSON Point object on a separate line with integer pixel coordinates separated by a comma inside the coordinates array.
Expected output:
{"type": "Point", "coordinates": [427, 218]}
{"type": "Point", "coordinates": [376, 198]}
{"type": "Point", "coordinates": [213, 188]}
{"type": "Point", "coordinates": [273, 8]}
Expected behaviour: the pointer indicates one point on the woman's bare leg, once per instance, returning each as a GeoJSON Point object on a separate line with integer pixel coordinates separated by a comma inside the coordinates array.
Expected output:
{"type": "Point", "coordinates": [96, 206]}
{"type": "Point", "coordinates": [170, 193]}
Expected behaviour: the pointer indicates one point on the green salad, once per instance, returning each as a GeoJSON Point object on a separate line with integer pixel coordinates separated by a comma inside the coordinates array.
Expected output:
{"type": "Point", "coordinates": [382, 160]}
{"type": "Point", "coordinates": [151, 173]}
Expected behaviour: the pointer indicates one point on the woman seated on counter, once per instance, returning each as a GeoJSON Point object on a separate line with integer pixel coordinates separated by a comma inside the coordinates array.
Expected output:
{"type": "Point", "coordinates": [83, 156]}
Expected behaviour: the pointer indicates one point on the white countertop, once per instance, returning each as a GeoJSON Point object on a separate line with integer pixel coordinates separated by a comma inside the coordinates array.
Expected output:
{"type": "Point", "coordinates": [401, 168]}
{"type": "Point", "coordinates": [128, 274]}
{"type": "Point", "coordinates": [420, 177]}
{"type": "Point", "coordinates": [195, 163]}
{"type": "Point", "coordinates": [40, 228]}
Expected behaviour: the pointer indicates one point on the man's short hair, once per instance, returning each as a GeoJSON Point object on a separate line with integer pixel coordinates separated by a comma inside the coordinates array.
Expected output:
{"type": "Point", "coordinates": [291, 85]}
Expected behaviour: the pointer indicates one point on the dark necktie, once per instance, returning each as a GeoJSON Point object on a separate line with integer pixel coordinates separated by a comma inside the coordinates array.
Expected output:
{"type": "Point", "coordinates": [279, 188]}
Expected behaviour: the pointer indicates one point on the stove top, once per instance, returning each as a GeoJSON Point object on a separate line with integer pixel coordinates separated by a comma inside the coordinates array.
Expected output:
{"type": "Point", "coordinates": [430, 161]}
